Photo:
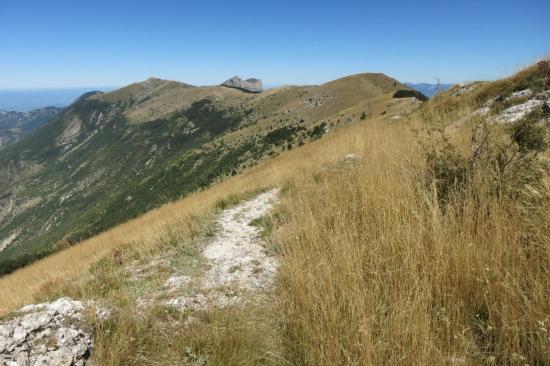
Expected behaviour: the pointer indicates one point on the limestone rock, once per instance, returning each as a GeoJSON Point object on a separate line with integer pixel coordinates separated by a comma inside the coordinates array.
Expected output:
{"type": "Point", "coordinates": [248, 85]}
{"type": "Point", "coordinates": [519, 111]}
{"type": "Point", "coordinates": [545, 96]}
{"type": "Point", "coordinates": [350, 158]}
{"type": "Point", "coordinates": [521, 94]}
{"type": "Point", "coordinates": [46, 334]}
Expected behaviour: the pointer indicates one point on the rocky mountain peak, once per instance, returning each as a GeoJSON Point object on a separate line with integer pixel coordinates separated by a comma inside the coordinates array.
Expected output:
{"type": "Point", "coordinates": [251, 85]}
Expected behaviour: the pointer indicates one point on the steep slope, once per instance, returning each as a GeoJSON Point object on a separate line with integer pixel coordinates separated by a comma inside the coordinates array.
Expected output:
{"type": "Point", "coordinates": [15, 125]}
{"type": "Point", "coordinates": [110, 157]}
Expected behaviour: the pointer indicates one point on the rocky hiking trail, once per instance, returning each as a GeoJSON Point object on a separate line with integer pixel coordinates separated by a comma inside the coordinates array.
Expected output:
{"type": "Point", "coordinates": [233, 267]}
{"type": "Point", "coordinates": [237, 261]}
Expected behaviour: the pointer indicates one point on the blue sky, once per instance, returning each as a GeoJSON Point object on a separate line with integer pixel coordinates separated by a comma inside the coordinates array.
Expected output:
{"type": "Point", "coordinates": [62, 43]}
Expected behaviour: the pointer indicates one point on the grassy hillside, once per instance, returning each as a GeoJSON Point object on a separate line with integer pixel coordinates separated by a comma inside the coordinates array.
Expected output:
{"type": "Point", "coordinates": [114, 156]}
{"type": "Point", "coordinates": [430, 247]}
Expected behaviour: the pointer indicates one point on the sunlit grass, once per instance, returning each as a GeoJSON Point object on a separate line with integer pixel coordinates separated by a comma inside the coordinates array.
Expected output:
{"type": "Point", "coordinates": [373, 268]}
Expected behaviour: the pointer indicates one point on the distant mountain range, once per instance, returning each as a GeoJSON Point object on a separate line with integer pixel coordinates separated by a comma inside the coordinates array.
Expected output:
{"type": "Point", "coordinates": [429, 90]}
{"type": "Point", "coordinates": [14, 125]}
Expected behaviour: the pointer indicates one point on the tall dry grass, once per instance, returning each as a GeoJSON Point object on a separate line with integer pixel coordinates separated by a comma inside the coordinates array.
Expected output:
{"type": "Point", "coordinates": [144, 234]}
{"type": "Point", "coordinates": [375, 270]}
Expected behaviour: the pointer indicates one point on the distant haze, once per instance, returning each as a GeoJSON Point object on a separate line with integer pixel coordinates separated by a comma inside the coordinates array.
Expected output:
{"type": "Point", "coordinates": [429, 90]}
{"type": "Point", "coordinates": [25, 100]}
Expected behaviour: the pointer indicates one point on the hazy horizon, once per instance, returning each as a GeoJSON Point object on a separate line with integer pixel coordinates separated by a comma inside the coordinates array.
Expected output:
{"type": "Point", "coordinates": [22, 100]}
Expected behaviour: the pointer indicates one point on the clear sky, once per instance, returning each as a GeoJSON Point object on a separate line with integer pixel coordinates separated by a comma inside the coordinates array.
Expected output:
{"type": "Point", "coordinates": [74, 43]}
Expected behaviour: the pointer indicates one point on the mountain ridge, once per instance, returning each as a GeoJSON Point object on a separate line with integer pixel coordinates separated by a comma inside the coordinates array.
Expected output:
{"type": "Point", "coordinates": [116, 155]}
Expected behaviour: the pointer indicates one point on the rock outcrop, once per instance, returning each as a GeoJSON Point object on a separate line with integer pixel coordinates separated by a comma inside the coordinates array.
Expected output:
{"type": "Point", "coordinates": [521, 94]}
{"type": "Point", "coordinates": [46, 334]}
{"type": "Point", "coordinates": [517, 112]}
{"type": "Point", "coordinates": [248, 85]}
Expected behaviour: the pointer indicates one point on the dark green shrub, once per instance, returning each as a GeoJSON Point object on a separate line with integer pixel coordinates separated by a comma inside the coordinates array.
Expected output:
{"type": "Point", "coordinates": [282, 134]}
{"type": "Point", "coordinates": [511, 167]}
{"type": "Point", "coordinates": [446, 168]}
{"type": "Point", "coordinates": [410, 94]}
{"type": "Point", "coordinates": [528, 135]}
{"type": "Point", "coordinates": [318, 131]}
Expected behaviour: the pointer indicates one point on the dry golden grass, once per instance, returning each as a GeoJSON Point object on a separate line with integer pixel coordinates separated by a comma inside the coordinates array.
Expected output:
{"type": "Point", "coordinates": [20, 287]}
{"type": "Point", "coordinates": [374, 269]}
{"type": "Point", "coordinates": [375, 272]}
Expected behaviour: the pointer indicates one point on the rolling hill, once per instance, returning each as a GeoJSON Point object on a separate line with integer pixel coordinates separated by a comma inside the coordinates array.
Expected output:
{"type": "Point", "coordinates": [110, 157]}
